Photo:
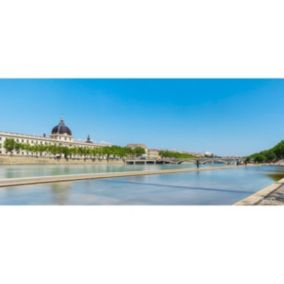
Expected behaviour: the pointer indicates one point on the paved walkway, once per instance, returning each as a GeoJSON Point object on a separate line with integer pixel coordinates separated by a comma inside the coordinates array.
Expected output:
{"type": "Point", "coordinates": [270, 195]}
{"type": "Point", "coordinates": [275, 198]}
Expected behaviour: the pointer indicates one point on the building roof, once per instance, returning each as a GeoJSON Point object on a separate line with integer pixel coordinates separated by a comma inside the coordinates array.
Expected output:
{"type": "Point", "coordinates": [137, 145]}
{"type": "Point", "coordinates": [61, 128]}
{"type": "Point", "coordinates": [89, 139]}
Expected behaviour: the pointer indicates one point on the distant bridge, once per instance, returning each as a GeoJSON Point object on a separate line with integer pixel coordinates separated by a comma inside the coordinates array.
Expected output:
{"type": "Point", "coordinates": [221, 160]}
{"type": "Point", "coordinates": [202, 161]}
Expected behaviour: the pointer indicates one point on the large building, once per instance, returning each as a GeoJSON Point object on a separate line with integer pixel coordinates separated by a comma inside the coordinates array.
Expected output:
{"type": "Point", "coordinates": [154, 154]}
{"type": "Point", "coordinates": [61, 135]}
{"type": "Point", "coordinates": [149, 153]}
{"type": "Point", "coordinates": [143, 146]}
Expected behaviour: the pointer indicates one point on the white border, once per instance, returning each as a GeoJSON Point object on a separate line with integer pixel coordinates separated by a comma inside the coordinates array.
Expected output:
{"type": "Point", "coordinates": [150, 38]}
{"type": "Point", "coordinates": [141, 245]}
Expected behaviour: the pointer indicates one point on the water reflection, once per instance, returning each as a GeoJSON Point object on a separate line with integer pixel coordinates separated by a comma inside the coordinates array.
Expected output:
{"type": "Point", "coordinates": [276, 176]}
{"type": "Point", "coordinates": [177, 186]}
{"type": "Point", "coordinates": [60, 192]}
{"type": "Point", "coordinates": [18, 171]}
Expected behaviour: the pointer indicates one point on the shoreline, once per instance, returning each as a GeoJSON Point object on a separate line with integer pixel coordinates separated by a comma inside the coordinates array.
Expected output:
{"type": "Point", "coordinates": [24, 161]}
{"type": "Point", "coordinates": [258, 197]}
{"type": "Point", "coordinates": [65, 178]}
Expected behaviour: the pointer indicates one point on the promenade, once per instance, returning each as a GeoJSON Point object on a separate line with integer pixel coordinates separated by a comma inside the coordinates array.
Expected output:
{"type": "Point", "coordinates": [274, 198]}
{"type": "Point", "coordinates": [64, 178]}
{"type": "Point", "coordinates": [270, 195]}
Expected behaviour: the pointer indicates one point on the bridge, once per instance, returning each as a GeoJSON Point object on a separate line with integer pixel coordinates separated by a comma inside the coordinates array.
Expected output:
{"type": "Point", "coordinates": [151, 162]}
{"type": "Point", "coordinates": [202, 161]}
{"type": "Point", "coordinates": [221, 160]}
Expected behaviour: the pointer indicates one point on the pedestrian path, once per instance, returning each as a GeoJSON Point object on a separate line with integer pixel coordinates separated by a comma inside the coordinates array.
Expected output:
{"type": "Point", "coordinates": [275, 198]}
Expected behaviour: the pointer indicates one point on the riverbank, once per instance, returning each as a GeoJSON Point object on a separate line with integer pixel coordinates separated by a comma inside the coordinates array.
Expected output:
{"type": "Point", "coordinates": [275, 198]}
{"type": "Point", "coordinates": [17, 160]}
{"type": "Point", "coordinates": [270, 195]}
{"type": "Point", "coordinates": [64, 178]}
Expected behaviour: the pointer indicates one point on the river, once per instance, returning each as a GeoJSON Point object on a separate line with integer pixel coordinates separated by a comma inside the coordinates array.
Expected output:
{"type": "Point", "coordinates": [220, 187]}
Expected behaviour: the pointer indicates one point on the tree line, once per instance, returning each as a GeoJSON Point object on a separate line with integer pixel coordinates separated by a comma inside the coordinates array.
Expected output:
{"type": "Point", "coordinates": [175, 155]}
{"type": "Point", "coordinates": [274, 154]}
{"type": "Point", "coordinates": [107, 152]}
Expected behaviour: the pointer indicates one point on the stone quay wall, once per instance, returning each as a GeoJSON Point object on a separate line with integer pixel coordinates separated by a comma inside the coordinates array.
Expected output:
{"type": "Point", "coordinates": [18, 160]}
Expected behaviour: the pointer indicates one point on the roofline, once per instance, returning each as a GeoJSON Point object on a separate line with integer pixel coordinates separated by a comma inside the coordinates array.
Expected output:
{"type": "Point", "coordinates": [29, 136]}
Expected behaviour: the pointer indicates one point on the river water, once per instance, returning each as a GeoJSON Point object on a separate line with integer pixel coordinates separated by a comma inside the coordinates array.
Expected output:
{"type": "Point", "coordinates": [220, 187]}
{"type": "Point", "coordinates": [19, 171]}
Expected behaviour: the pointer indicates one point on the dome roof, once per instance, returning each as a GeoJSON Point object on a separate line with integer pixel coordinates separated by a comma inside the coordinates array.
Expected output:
{"type": "Point", "coordinates": [89, 139]}
{"type": "Point", "coordinates": [61, 128]}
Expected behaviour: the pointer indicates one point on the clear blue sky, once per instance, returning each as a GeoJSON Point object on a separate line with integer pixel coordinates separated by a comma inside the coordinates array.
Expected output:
{"type": "Point", "coordinates": [227, 117]}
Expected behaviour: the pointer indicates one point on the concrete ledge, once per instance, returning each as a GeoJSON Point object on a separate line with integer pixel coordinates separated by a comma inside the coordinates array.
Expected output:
{"type": "Point", "coordinates": [257, 197]}
{"type": "Point", "coordinates": [20, 160]}
{"type": "Point", "coordinates": [64, 178]}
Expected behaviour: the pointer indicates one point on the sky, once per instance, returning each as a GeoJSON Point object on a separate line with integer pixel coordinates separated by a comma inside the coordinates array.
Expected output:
{"type": "Point", "coordinates": [223, 116]}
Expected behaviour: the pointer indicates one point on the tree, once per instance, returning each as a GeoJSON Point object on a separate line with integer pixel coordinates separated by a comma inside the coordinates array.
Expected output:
{"type": "Point", "coordinates": [270, 156]}
{"type": "Point", "coordinates": [273, 154]}
{"type": "Point", "coordinates": [66, 152]}
{"type": "Point", "coordinates": [260, 158]}
{"type": "Point", "coordinates": [10, 145]}
{"type": "Point", "coordinates": [175, 155]}
{"type": "Point", "coordinates": [17, 147]}
{"type": "Point", "coordinates": [139, 151]}
{"type": "Point", "coordinates": [109, 152]}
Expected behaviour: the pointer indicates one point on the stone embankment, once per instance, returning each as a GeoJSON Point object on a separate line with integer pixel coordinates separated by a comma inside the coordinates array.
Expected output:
{"type": "Point", "coordinates": [275, 198]}
{"type": "Point", "coordinates": [270, 195]}
{"type": "Point", "coordinates": [78, 177]}
{"type": "Point", "coordinates": [280, 163]}
{"type": "Point", "coordinates": [17, 160]}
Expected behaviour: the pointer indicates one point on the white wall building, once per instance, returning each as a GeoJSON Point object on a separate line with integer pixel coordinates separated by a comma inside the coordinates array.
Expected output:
{"type": "Point", "coordinates": [61, 135]}
{"type": "Point", "coordinates": [154, 154]}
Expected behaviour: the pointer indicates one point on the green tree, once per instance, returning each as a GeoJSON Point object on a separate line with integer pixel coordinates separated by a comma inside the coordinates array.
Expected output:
{"type": "Point", "coordinates": [17, 147]}
{"type": "Point", "coordinates": [273, 154]}
{"type": "Point", "coordinates": [139, 151]}
{"type": "Point", "coordinates": [175, 155]}
{"type": "Point", "coordinates": [66, 152]}
{"type": "Point", "coordinates": [259, 158]}
{"type": "Point", "coordinates": [10, 145]}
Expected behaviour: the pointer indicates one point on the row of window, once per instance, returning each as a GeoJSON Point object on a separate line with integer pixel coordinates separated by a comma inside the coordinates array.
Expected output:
{"type": "Point", "coordinates": [31, 141]}
{"type": "Point", "coordinates": [40, 143]}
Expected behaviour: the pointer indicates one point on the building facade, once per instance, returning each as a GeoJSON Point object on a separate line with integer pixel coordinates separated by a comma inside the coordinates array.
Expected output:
{"type": "Point", "coordinates": [154, 154]}
{"type": "Point", "coordinates": [133, 146]}
{"type": "Point", "coordinates": [61, 135]}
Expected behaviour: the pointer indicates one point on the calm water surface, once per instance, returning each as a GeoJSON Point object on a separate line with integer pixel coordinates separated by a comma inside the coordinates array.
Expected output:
{"type": "Point", "coordinates": [222, 187]}
{"type": "Point", "coordinates": [19, 171]}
